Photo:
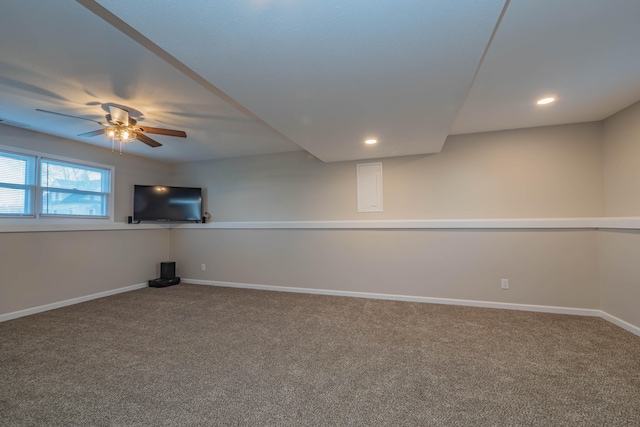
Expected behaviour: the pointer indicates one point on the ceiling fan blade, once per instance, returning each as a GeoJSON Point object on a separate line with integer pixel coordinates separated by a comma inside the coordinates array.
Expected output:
{"type": "Point", "coordinates": [94, 133]}
{"type": "Point", "coordinates": [119, 115]}
{"type": "Point", "coordinates": [150, 142]}
{"type": "Point", "coordinates": [158, 131]}
{"type": "Point", "coordinates": [73, 117]}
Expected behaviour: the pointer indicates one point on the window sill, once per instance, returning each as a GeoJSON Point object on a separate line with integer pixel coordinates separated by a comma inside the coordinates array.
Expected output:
{"type": "Point", "coordinates": [38, 226]}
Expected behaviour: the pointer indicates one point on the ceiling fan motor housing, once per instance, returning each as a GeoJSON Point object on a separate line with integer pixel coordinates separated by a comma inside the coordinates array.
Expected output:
{"type": "Point", "coordinates": [116, 122]}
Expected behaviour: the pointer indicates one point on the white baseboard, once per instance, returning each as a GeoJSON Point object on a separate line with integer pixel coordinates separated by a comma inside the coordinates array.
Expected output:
{"type": "Point", "coordinates": [619, 322]}
{"type": "Point", "coordinates": [449, 301]}
{"type": "Point", "coordinates": [52, 306]}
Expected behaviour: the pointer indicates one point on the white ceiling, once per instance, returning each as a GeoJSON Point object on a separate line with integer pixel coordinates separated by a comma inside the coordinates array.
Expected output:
{"type": "Point", "coordinates": [245, 77]}
{"type": "Point", "coordinates": [586, 53]}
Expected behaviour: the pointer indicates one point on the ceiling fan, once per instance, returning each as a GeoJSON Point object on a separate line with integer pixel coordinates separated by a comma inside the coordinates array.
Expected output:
{"type": "Point", "coordinates": [119, 126]}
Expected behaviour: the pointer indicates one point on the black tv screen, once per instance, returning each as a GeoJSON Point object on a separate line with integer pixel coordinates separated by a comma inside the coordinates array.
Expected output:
{"type": "Point", "coordinates": [163, 203]}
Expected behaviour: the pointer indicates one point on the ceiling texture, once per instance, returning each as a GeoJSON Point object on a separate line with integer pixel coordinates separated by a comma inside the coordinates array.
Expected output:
{"type": "Point", "coordinates": [249, 77]}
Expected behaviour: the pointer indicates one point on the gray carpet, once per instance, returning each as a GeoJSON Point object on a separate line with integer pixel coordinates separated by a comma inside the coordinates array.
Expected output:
{"type": "Point", "coordinates": [200, 355]}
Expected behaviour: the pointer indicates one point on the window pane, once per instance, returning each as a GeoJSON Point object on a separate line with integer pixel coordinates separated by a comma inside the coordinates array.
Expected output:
{"type": "Point", "coordinates": [15, 201]}
{"type": "Point", "coordinates": [71, 203]}
{"type": "Point", "coordinates": [74, 177]}
{"type": "Point", "coordinates": [17, 176]}
{"type": "Point", "coordinates": [74, 189]}
{"type": "Point", "coordinates": [16, 169]}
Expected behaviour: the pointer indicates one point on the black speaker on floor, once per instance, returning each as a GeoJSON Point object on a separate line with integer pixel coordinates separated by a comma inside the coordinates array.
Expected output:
{"type": "Point", "coordinates": [167, 270]}
{"type": "Point", "coordinates": [163, 283]}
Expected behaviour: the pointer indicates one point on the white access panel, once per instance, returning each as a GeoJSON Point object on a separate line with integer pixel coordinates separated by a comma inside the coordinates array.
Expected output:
{"type": "Point", "coordinates": [369, 187]}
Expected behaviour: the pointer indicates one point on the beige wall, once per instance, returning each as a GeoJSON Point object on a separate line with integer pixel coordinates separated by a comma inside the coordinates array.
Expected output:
{"type": "Point", "coordinates": [551, 171]}
{"type": "Point", "coordinates": [557, 268]}
{"type": "Point", "coordinates": [44, 268]}
{"type": "Point", "coordinates": [620, 274]}
{"type": "Point", "coordinates": [621, 159]}
{"type": "Point", "coordinates": [619, 250]}
{"type": "Point", "coordinates": [558, 171]}
{"type": "Point", "coordinates": [40, 268]}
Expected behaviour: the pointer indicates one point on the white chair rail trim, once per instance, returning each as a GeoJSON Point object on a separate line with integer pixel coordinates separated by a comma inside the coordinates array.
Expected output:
{"type": "Point", "coordinates": [630, 223]}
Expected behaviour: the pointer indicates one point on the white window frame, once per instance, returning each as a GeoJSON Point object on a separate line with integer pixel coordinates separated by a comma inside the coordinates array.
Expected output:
{"type": "Point", "coordinates": [40, 218]}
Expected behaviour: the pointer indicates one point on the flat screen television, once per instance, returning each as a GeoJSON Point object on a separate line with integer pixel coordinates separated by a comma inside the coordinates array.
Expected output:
{"type": "Point", "coordinates": [163, 203]}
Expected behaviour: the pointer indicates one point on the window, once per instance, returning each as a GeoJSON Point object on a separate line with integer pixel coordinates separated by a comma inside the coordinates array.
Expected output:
{"type": "Point", "coordinates": [17, 184]}
{"type": "Point", "coordinates": [63, 188]}
{"type": "Point", "coordinates": [73, 190]}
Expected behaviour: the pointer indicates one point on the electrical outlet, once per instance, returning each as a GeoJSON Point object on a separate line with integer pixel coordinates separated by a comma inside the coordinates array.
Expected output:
{"type": "Point", "coordinates": [203, 267]}
{"type": "Point", "coordinates": [504, 283]}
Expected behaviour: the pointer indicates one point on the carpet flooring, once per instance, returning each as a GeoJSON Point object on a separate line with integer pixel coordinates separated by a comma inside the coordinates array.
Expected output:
{"type": "Point", "coordinates": [210, 356]}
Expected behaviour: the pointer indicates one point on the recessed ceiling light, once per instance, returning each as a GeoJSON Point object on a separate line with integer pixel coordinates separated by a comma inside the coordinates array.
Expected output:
{"type": "Point", "coordinates": [371, 141]}
{"type": "Point", "coordinates": [544, 101]}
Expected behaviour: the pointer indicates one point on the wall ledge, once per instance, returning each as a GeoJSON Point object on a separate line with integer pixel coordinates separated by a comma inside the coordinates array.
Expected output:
{"type": "Point", "coordinates": [54, 227]}
{"type": "Point", "coordinates": [623, 222]}
{"type": "Point", "coordinates": [627, 223]}
{"type": "Point", "coordinates": [501, 223]}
